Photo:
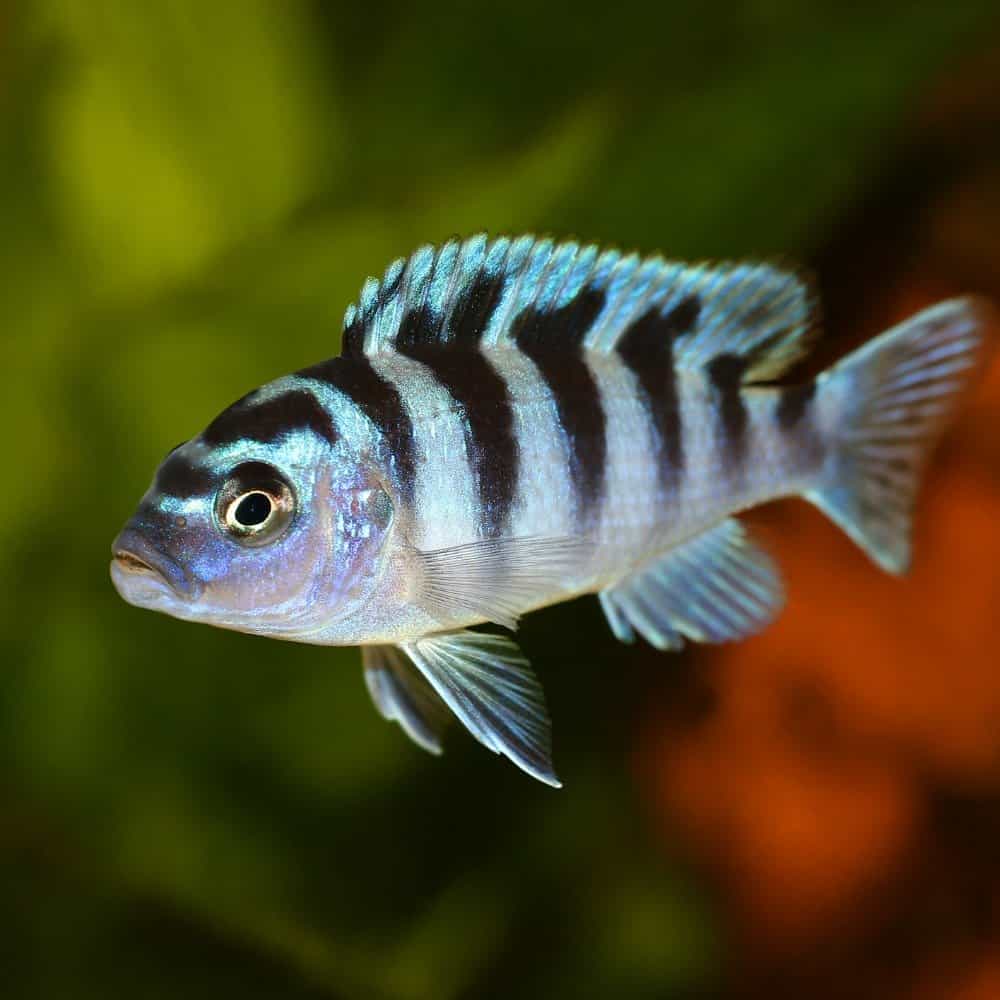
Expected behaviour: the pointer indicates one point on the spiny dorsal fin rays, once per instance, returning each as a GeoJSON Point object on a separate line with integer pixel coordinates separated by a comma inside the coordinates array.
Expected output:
{"type": "Point", "coordinates": [454, 270]}
{"type": "Point", "coordinates": [632, 284]}
{"type": "Point", "coordinates": [754, 311]}
{"type": "Point", "coordinates": [524, 284]}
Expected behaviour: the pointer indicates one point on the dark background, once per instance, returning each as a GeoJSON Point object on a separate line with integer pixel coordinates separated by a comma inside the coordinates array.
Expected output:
{"type": "Point", "coordinates": [190, 193]}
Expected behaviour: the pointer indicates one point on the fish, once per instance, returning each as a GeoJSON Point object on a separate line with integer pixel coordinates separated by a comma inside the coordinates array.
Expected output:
{"type": "Point", "coordinates": [515, 422]}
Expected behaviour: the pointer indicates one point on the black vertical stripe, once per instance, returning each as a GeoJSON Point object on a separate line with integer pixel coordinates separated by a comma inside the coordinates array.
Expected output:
{"type": "Point", "coordinates": [178, 476]}
{"type": "Point", "coordinates": [353, 338]}
{"type": "Point", "coordinates": [647, 348]}
{"type": "Point", "coordinates": [270, 420]}
{"type": "Point", "coordinates": [726, 373]}
{"type": "Point", "coordinates": [793, 404]}
{"type": "Point", "coordinates": [158, 527]}
{"type": "Point", "coordinates": [417, 331]}
{"type": "Point", "coordinates": [683, 317]}
{"type": "Point", "coordinates": [475, 308]}
{"type": "Point", "coordinates": [380, 401]}
{"type": "Point", "coordinates": [481, 394]}
{"type": "Point", "coordinates": [388, 290]}
{"type": "Point", "coordinates": [553, 339]}
{"type": "Point", "coordinates": [488, 426]}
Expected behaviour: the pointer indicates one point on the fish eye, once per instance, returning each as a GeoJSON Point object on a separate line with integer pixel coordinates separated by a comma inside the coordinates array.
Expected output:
{"type": "Point", "coordinates": [250, 510]}
{"type": "Point", "coordinates": [255, 505]}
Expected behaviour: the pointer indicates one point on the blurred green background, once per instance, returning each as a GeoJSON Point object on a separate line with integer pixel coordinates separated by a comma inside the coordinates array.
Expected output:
{"type": "Point", "coordinates": [190, 194]}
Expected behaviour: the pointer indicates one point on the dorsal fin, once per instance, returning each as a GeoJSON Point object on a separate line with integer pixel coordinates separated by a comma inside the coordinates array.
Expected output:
{"type": "Point", "coordinates": [497, 292]}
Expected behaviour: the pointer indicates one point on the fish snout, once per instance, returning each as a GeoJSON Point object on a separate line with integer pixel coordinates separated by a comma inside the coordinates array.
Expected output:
{"type": "Point", "coordinates": [137, 561]}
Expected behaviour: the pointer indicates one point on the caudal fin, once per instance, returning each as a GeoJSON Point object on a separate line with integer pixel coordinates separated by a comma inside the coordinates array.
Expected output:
{"type": "Point", "coordinates": [891, 399]}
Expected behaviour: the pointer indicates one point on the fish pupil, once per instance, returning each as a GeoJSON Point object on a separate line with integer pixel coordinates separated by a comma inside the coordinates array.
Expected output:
{"type": "Point", "coordinates": [254, 509]}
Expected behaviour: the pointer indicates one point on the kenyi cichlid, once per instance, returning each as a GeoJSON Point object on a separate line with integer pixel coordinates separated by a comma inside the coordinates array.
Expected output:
{"type": "Point", "coordinates": [515, 422]}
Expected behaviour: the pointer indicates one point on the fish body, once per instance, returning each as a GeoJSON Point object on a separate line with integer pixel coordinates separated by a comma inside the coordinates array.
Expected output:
{"type": "Point", "coordinates": [513, 423]}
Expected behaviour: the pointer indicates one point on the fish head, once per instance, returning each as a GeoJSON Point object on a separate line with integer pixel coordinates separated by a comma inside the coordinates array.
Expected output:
{"type": "Point", "coordinates": [279, 537]}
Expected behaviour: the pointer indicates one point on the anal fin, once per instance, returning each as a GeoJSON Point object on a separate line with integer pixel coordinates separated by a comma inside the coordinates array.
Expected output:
{"type": "Point", "coordinates": [715, 587]}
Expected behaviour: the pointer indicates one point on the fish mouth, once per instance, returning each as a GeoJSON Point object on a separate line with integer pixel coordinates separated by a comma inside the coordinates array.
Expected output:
{"type": "Point", "coordinates": [131, 563]}
{"type": "Point", "coordinates": [141, 572]}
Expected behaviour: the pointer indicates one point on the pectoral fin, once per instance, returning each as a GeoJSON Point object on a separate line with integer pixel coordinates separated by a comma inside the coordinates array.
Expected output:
{"type": "Point", "coordinates": [494, 579]}
{"type": "Point", "coordinates": [715, 587]}
{"type": "Point", "coordinates": [487, 682]}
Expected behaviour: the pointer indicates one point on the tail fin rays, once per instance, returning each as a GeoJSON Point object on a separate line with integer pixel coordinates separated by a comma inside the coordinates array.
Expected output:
{"type": "Point", "coordinates": [898, 391]}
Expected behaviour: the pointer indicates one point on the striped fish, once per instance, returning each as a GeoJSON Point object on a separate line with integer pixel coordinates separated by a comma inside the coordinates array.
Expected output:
{"type": "Point", "coordinates": [516, 422]}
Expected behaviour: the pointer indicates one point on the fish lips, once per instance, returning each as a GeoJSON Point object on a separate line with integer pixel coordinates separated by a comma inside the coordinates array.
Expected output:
{"type": "Point", "coordinates": [143, 574]}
